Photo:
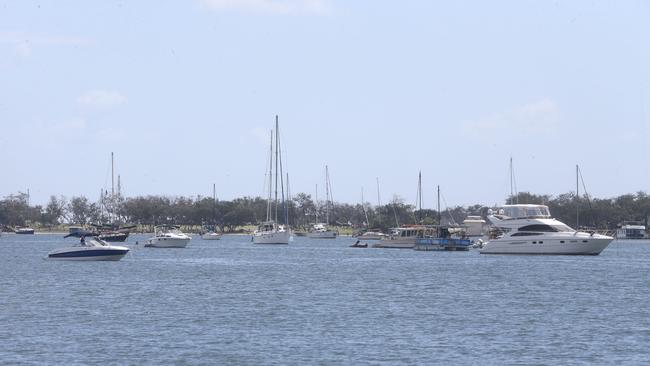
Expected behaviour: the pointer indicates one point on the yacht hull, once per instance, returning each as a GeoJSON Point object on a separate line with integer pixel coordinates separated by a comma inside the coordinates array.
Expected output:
{"type": "Point", "coordinates": [211, 236]}
{"type": "Point", "coordinates": [592, 246]}
{"type": "Point", "coordinates": [322, 235]}
{"type": "Point", "coordinates": [111, 253]}
{"type": "Point", "coordinates": [396, 243]}
{"type": "Point", "coordinates": [271, 237]}
{"type": "Point", "coordinates": [167, 243]}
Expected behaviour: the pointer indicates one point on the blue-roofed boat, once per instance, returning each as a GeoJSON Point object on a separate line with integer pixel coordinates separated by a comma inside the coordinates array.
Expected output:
{"type": "Point", "coordinates": [444, 241]}
{"type": "Point", "coordinates": [90, 248]}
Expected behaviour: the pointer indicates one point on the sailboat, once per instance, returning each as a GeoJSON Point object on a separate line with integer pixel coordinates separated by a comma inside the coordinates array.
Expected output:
{"type": "Point", "coordinates": [320, 230]}
{"type": "Point", "coordinates": [212, 234]}
{"type": "Point", "coordinates": [270, 231]}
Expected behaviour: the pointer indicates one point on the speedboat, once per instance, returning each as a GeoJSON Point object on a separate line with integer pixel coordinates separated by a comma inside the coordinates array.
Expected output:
{"type": "Point", "coordinates": [530, 229]}
{"type": "Point", "coordinates": [90, 248]}
{"type": "Point", "coordinates": [24, 230]}
{"type": "Point", "coordinates": [269, 232]}
{"type": "Point", "coordinates": [321, 231]}
{"type": "Point", "coordinates": [167, 236]}
{"type": "Point", "coordinates": [211, 235]}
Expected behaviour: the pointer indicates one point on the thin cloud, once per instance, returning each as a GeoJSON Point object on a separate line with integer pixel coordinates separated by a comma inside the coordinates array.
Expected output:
{"type": "Point", "coordinates": [20, 37]}
{"type": "Point", "coordinates": [101, 98]}
{"type": "Point", "coordinates": [530, 119]}
{"type": "Point", "coordinates": [273, 7]}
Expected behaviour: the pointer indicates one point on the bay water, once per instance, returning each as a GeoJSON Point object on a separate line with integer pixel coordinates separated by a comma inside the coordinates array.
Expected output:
{"type": "Point", "coordinates": [320, 302]}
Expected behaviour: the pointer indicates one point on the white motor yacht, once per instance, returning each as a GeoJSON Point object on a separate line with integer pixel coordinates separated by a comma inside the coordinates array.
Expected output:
{"type": "Point", "coordinates": [530, 229]}
{"type": "Point", "coordinates": [24, 230]}
{"type": "Point", "coordinates": [168, 237]}
{"type": "Point", "coordinates": [269, 232]}
{"type": "Point", "coordinates": [321, 231]}
{"type": "Point", "coordinates": [90, 248]}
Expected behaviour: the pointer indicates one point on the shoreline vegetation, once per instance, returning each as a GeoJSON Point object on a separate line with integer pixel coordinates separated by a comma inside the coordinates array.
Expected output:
{"type": "Point", "coordinates": [240, 215]}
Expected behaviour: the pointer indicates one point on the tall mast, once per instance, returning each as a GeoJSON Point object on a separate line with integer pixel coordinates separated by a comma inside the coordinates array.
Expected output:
{"type": "Point", "coordinates": [316, 203]}
{"type": "Point", "coordinates": [289, 204]}
{"type": "Point", "coordinates": [268, 201]}
{"type": "Point", "coordinates": [439, 216]}
{"type": "Point", "coordinates": [378, 196]}
{"type": "Point", "coordinates": [419, 196]}
{"type": "Point", "coordinates": [363, 205]}
{"type": "Point", "coordinates": [577, 198]}
{"type": "Point", "coordinates": [214, 204]}
{"type": "Point", "coordinates": [277, 134]}
{"type": "Point", "coordinates": [327, 196]}
{"type": "Point", "coordinates": [112, 176]}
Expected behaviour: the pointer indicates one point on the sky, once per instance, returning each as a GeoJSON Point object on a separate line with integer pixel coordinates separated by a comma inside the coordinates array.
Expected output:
{"type": "Point", "coordinates": [185, 93]}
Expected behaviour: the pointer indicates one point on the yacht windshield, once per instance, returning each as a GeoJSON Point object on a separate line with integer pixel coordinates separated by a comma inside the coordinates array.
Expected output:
{"type": "Point", "coordinates": [546, 228]}
{"type": "Point", "coordinates": [526, 211]}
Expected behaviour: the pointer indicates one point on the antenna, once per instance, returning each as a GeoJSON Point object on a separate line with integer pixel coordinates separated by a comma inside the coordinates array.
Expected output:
{"type": "Point", "coordinates": [112, 176]}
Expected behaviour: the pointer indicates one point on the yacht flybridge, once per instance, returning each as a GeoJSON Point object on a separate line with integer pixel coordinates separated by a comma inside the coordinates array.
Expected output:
{"type": "Point", "coordinates": [530, 229]}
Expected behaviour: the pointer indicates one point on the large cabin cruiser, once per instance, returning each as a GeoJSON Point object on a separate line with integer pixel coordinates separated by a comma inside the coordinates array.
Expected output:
{"type": "Point", "coordinates": [168, 237]}
{"type": "Point", "coordinates": [530, 229]}
{"type": "Point", "coordinates": [90, 248]}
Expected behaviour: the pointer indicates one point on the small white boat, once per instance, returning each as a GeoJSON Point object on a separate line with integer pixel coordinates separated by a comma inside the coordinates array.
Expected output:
{"type": "Point", "coordinates": [24, 230]}
{"type": "Point", "coordinates": [530, 229]}
{"type": "Point", "coordinates": [270, 233]}
{"type": "Point", "coordinates": [90, 248]}
{"type": "Point", "coordinates": [321, 231]}
{"type": "Point", "coordinates": [168, 237]}
{"type": "Point", "coordinates": [211, 235]}
{"type": "Point", "coordinates": [372, 235]}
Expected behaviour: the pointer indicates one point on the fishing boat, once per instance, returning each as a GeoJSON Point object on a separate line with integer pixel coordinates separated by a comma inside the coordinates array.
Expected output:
{"type": "Point", "coordinates": [270, 231]}
{"type": "Point", "coordinates": [90, 248]}
{"type": "Point", "coordinates": [168, 236]}
{"type": "Point", "coordinates": [405, 237]}
{"type": "Point", "coordinates": [445, 239]}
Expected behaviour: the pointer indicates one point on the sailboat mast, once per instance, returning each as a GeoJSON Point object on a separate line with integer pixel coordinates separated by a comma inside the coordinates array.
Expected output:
{"type": "Point", "coordinates": [363, 206]}
{"type": "Point", "coordinates": [277, 134]}
{"type": "Point", "coordinates": [577, 197]}
{"type": "Point", "coordinates": [419, 196]}
{"type": "Point", "coordinates": [316, 203]}
{"type": "Point", "coordinates": [268, 201]}
{"type": "Point", "coordinates": [327, 196]}
{"type": "Point", "coordinates": [112, 176]}
{"type": "Point", "coordinates": [378, 195]}
{"type": "Point", "coordinates": [439, 216]}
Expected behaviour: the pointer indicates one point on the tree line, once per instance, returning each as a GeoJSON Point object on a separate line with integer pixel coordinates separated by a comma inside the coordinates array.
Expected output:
{"type": "Point", "coordinates": [301, 211]}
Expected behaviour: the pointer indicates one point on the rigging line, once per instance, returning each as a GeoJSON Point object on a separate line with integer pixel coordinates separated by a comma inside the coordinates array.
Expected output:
{"type": "Point", "coordinates": [447, 210]}
{"type": "Point", "coordinates": [584, 188]}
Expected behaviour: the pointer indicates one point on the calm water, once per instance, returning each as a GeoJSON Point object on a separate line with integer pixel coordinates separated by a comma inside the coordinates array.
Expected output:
{"type": "Point", "coordinates": [320, 302]}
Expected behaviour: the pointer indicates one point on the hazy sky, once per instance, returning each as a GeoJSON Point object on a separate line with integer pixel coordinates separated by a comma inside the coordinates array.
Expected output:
{"type": "Point", "coordinates": [185, 93]}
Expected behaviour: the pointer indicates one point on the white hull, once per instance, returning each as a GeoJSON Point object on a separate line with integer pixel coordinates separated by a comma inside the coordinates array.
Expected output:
{"type": "Point", "coordinates": [406, 243]}
{"type": "Point", "coordinates": [211, 236]}
{"type": "Point", "coordinates": [322, 235]}
{"type": "Point", "coordinates": [103, 258]}
{"type": "Point", "coordinates": [564, 246]}
{"type": "Point", "coordinates": [271, 237]}
{"type": "Point", "coordinates": [371, 237]}
{"type": "Point", "coordinates": [167, 242]}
